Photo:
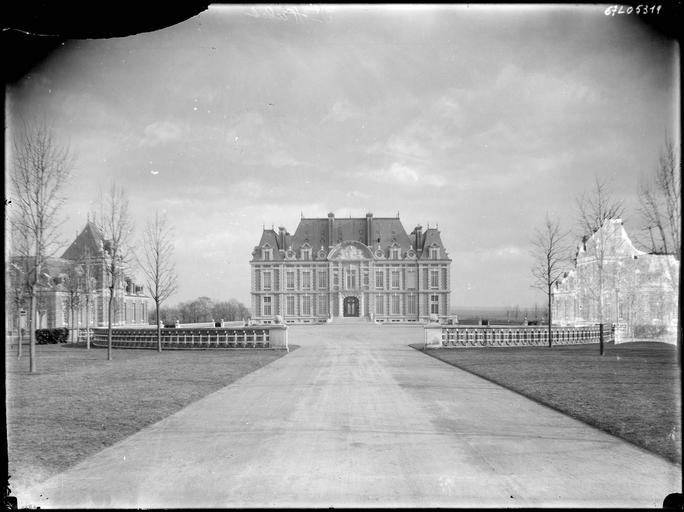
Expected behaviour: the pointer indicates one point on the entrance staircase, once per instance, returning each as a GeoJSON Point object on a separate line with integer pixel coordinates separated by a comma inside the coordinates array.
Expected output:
{"type": "Point", "coordinates": [350, 320]}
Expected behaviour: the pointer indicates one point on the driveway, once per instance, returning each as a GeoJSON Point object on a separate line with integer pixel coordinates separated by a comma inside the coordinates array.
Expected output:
{"type": "Point", "coordinates": [355, 417]}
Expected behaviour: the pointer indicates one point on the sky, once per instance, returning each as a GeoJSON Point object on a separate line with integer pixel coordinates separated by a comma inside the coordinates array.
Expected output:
{"type": "Point", "coordinates": [476, 119]}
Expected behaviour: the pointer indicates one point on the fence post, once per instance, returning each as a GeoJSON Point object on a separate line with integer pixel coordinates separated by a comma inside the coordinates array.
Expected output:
{"type": "Point", "coordinates": [601, 337]}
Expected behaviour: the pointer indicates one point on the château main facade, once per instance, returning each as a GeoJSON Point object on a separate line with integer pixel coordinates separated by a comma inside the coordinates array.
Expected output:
{"type": "Point", "coordinates": [336, 268]}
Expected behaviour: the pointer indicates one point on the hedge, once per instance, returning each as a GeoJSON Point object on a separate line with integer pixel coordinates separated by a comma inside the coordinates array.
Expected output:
{"type": "Point", "coordinates": [649, 331]}
{"type": "Point", "coordinates": [47, 336]}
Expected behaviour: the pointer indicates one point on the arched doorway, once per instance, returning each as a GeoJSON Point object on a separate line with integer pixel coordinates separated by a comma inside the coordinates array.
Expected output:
{"type": "Point", "coordinates": [351, 306]}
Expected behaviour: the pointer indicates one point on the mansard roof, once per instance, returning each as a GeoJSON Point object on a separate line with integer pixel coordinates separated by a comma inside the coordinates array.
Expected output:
{"type": "Point", "coordinates": [614, 237]}
{"type": "Point", "coordinates": [388, 231]}
{"type": "Point", "coordinates": [314, 231]}
{"type": "Point", "coordinates": [88, 242]}
{"type": "Point", "coordinates": [431, 238]}
{"type": "Point", "coordinates": [385, 232]}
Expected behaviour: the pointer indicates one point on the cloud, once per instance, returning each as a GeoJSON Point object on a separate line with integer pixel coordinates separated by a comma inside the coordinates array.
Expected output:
{"type": "Point", "coordinates": [342, 111]}
{"type": "Point", "coordinates": [355, 194]}
{"type": "Point", "coordinates": [282, 158]}
{"type": "Point", "coordinates": [161, 132]}
{"type": "Point", "coordinates": [401, 174]}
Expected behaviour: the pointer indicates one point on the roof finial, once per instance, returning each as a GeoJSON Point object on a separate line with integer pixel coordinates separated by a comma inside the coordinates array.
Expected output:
{"type": "Point", "coordinates": [397, 214]}
{"type": "Point", "coordinates": [301, 215]}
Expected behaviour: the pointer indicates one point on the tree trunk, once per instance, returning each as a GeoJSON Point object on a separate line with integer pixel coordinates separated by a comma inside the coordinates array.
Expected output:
{"type": "Point", "coordinates": [32, 332]}
{"type": "Point", "coordinates": [109, 325]}
{"type": "Point", "coordinates": [159, 343]}
{"type": "Point", "coordinates": [550, 332]}
{"type": "Point", "coordinates": [20, 336]}
{"type": "Point", "coordinates": [87, 323]}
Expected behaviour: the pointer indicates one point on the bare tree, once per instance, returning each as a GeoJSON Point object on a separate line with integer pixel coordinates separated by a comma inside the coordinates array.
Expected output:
{"type": "Point", "coordinates": [40, 169]}
{"type": "Point", "coordinates": [549, 251]}
{"type": "Point", "coordinates": [72, 285]}
{"type": "Point", "coordinates": [594, 210]}
{"type": "Point", "coordinates": [116, 227]}
{"type": "Point", "coordinates": [660, 202]}
{"type": "Point", "coordinates": [157, 264]}
{"type": "Point", "coordinates": [88, 289]}
{"type": "Point", "coordinates": [18, 271]}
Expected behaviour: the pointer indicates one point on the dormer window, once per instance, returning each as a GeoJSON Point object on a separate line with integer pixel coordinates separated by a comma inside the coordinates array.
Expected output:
{"type": "Point", "coordinates": [434, 253]}
{"type": "Point", "coordinates": [395, 252]}
{"type": "Point", "coordinates": [266, 253]}
{"type": "Point", "coordinates": [306, 252]}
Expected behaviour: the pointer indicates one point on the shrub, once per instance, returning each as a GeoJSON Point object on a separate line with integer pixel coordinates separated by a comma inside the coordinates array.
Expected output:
{"type": "Point", "coordinates": [46, 336]}
{"type": "Point", "coordinates": [649, 331]}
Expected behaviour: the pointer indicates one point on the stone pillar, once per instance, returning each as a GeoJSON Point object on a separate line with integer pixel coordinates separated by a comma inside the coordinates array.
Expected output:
{"type": "Point", "coordinates": [278, 336]}
{"type": "Point", "coordinates": [362, 311]}
{"type": "Point", "coordinates": [433, 335]}
{"type": "Point", "coordinates": [340, 304]}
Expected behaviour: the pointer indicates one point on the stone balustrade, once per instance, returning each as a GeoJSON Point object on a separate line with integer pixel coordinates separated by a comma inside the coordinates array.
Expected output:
{"type": "Point", "coordinates": [271, 336]}
{"type": "Point", "coordinates": [462, 336]}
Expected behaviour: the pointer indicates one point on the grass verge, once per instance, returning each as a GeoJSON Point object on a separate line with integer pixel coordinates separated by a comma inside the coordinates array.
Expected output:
{"type": "Point", "coordinates": [79, 403]}
{"type": "Point", "coordinates": [632, 392]}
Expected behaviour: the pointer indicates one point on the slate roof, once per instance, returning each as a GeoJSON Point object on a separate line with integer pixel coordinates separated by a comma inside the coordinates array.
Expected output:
{"type": "Point", "coordinates": [430, 237]}
{"type": "Point", "coordinates": [89, 240]}
{"type": "Point", "coordinates": [385, 231]}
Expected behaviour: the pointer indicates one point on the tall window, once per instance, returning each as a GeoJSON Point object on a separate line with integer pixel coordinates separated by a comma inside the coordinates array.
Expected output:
{"type": "Point", "coordinates": [410, 279]}
{"type": "Point", "coordinates": [289, 280]}
{"type": "Point", "coordinates": [434, 278]}
{"type": "Point", "coordinates": [322, 280]}
{"type": "Point", "coordinates": [351, 278]}
{"type": "Point", "coordinates": [267, 281]}
{"type": "Point", "coordinates": [290, 305]}
{"type": "Point", "coordinates": [379, 279]}
{"type": "Point", "coordinates": [411, 304]}
{"type": "Point", "coordinates": [380, 305]}
{"type": "Point", "coordinates": [306, 280]}
{"type": "Point", "coordinates": [306, 305]}
{"type": "Point", "coordinates": [395, 279]}
{"type": "Point", "coordinates": [336, 278]}
{"type": "Point", "coordinates": [434, 304]}
{"type": "Point", "coordinates": [365, 278]}
{"type": "Point", "coordinates": [267, 307]}
{"type": "Point", "coordinates": [322, 305]}
{"type": "Point", "coordinates": [395, 305]}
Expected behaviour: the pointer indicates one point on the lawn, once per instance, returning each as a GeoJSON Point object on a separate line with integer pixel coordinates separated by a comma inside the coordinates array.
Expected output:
{"type": "Point", "coordinates": [633, 391]}
{"type": "Point", "coordinates": [78, 402]}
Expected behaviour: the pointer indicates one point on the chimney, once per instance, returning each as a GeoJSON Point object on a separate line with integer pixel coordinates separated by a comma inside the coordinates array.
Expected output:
{"type": "Point", "coordinates": [419, 237]}
{"type": "Point", "coordinates": [369, 229]}
{"type": "Point", "coordinates": [331, 220]}
{"type": "Point", "coordinates": [281, 237]}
